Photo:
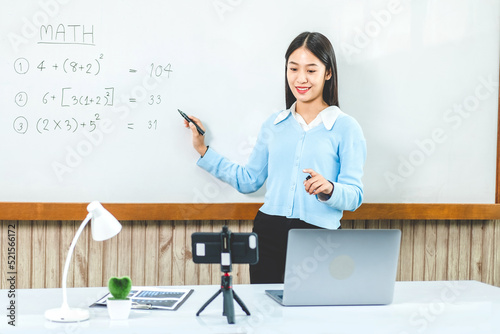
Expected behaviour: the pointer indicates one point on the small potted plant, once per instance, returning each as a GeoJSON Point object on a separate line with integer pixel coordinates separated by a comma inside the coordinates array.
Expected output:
{"type": "Point", "coordinates": [119, 305]}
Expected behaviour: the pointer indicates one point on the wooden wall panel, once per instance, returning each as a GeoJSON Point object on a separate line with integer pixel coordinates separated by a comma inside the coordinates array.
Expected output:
{"type": "Point", "coordinates": [159, 252]}
{"type": "Point", "coordinates": [496, 253]}
{"type": "Point", "coordinates": [80, 254]}
{"type": "Point", "coordinates": [151, 253]}
{"type": "Point", "coordinates": [165, 254]}
{"type": "Point", "coordinates": [67, 233]}
{"type": "Point", "coordinates": [430, 250]}
{"type": "Point", "coordinates": [453, 258]}
{"type": "Point", "coordinates": [125, 250]}
{"type": "Point", "coordinates": [3, 255]}
{"type": "Point", "coordinates": [137, 251]}
{"type": "Point", "coordinates": [396, 224]}
{"type": "Point", "coordinates": [465, 250]}
{"type": "Point", "coordinates": [23, 254]}
{"type": "Point", "coordinates": [109, 260]}
{"type": "Point", "coordinates": [205, 270]}
{"type": "Point", "coordinates": [406, 252]}
{"type": "Point", "coordinates": [95, 261]}
{"type": "Point", "coordinates": [442, 246]}
{"type": "Point", "coordinates": [52, 254]}
{"type": "Point", "coordinates": [191, 269]}
{"type": "Point", "coordinates": [178, 253]}
{"type": "Point", "coordinates": [476, 251]}
{"type": "Point", "coordinates": [487, 258]}
{"type": "Point", "coordinates": [418, 267]}
{"type": "Point", "coordinates": [38, 256]}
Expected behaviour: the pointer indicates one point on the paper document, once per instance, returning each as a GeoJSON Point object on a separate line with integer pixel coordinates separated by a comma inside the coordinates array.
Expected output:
{"type": "Point", "coordinates": [153, 298]}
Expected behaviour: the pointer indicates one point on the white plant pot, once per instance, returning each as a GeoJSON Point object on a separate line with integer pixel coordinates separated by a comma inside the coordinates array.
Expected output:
{"type": "Point", "coordinates": [119, 309]}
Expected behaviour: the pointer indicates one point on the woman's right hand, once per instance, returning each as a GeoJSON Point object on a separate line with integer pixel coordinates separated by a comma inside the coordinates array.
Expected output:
{"type": "Point", "coordinates": [198, 140]}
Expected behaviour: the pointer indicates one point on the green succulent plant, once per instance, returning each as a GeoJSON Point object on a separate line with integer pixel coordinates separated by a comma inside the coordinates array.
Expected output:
{"type": "Point", "coordinates": [120, 287]}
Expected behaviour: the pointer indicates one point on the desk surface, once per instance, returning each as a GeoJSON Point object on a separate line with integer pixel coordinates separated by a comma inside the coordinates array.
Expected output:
{"type": "Point", "coordinates": [418, 307]}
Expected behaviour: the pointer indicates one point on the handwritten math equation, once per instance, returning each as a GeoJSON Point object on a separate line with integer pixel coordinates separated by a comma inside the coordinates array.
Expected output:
{"type": "Point", "coordinates": [76, 97]}
{"type": "Point", "coordinates": [67, 98]}
{"type": "Point", "coordinates": [66, 65]}
{"type": "Point", "coordinates": [50, 125]}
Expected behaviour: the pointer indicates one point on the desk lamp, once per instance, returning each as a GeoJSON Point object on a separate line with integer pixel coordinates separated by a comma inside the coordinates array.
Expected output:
{"type": "Point", "coordinates": [104, 226]}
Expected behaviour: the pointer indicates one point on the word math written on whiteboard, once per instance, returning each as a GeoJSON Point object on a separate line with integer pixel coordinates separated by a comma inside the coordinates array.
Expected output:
{"type": "Point", "coordinates": [75, 100]}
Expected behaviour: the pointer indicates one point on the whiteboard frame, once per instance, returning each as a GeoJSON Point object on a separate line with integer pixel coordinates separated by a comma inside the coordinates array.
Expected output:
{"type": "Point", "coordinates": [242, 211]}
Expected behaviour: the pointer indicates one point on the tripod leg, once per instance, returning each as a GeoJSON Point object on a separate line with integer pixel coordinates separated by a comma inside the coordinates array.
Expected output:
{"type": "Point", "coordinates": [209, 301]}
{"type": "Point", "coordinates": [240, 302]}
{"type": "Point", "coordinates": [228, 309]}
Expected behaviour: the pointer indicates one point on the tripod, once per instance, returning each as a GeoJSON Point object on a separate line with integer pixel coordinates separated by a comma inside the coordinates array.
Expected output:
{"type": "Point", "coordinates": [226, 288]}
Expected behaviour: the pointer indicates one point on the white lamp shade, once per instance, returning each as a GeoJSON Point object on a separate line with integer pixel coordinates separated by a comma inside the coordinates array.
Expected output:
{"type": "Point", "coordinates": [104, 224]}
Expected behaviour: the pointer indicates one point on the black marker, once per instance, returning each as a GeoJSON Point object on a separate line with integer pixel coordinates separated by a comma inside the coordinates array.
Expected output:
{"type": "Point", "coordinates": [200, 131]}
{"type": "Point", "coordinates": [308, 177]}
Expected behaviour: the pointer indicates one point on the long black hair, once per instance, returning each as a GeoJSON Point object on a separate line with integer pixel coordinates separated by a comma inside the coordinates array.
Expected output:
{"type": "Point", "coordinates": [321, 47]}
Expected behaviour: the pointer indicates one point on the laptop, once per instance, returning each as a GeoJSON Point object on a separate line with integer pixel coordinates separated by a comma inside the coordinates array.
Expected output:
{"type": "Point", "coordinates": [339, 267]}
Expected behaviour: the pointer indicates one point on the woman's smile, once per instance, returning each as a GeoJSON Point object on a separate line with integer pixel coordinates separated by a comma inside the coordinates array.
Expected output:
{"type": "Point", "coordinates": [302, 89]}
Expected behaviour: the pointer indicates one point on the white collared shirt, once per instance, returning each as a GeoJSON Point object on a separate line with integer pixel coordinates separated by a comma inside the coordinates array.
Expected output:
{"type": "Point", "coordinates": [327, 116]}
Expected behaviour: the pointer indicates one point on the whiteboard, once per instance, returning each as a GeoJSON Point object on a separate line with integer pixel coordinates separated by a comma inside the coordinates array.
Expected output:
{"type": "Point", "coordinates": [90, 92]}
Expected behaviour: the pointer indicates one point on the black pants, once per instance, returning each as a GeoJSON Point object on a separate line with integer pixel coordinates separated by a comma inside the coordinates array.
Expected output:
{"type": "Point", "coordinates": [272, 232]}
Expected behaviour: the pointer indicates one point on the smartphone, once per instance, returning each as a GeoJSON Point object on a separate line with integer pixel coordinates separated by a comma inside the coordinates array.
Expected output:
{"type": "Point", "coordinates": [207, 247]}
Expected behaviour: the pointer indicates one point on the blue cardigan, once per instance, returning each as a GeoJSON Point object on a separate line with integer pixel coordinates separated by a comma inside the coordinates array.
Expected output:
{"type": "Point", "coordinates": [282, 151]}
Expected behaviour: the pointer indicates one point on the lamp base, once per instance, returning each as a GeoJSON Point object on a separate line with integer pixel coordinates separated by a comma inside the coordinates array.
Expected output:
{"type": "Point", "coordinates": [67, 314]}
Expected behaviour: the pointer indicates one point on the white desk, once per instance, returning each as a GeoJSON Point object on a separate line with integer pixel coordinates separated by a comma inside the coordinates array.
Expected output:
{"type": "Point", "coordinates": [419, 307]}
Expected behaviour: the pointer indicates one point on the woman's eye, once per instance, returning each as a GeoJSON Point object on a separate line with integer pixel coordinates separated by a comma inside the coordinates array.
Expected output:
{"type": "Point", "coordinates": [311, 71]}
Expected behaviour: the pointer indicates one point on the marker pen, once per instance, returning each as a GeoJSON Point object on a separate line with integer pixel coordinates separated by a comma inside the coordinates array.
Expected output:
{"type": "Point", "coordinates": [200, 131]}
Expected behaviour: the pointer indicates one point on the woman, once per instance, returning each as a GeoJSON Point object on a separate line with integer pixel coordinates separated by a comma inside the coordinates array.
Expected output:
{"type": "Point", "coordinates": [312, 155]}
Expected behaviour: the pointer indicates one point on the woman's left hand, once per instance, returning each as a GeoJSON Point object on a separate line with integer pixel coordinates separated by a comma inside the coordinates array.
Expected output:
{"type": "Point", "coordinates": [317, 184]}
